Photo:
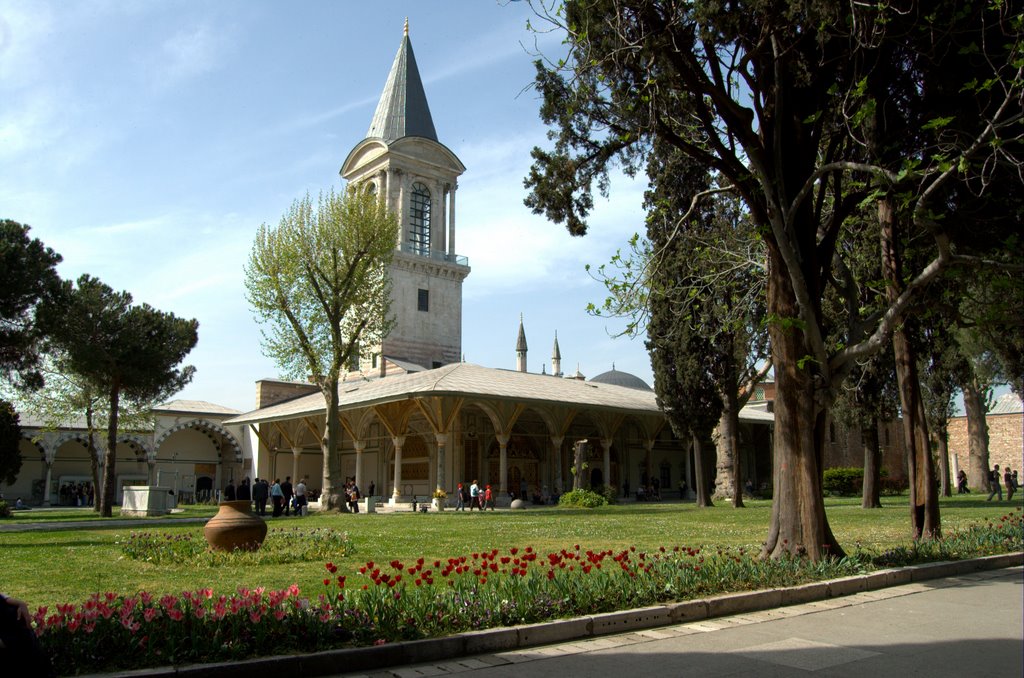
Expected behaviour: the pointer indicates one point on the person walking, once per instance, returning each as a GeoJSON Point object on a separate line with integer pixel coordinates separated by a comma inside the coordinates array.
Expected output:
{"type": "Point", "coordinates": [244, 491]}
{"type": "Point", "coordinates": [474, 496]}
{"type": "Point", "coordinates": [460, 501]}
{"type": "Point", "coordinates": [353, 496]}
{"type": "Point", "coordinates": [1008, 481]}
{"type": "Point", "coordinates": [961, 483]}
{"type": "Point", "coordinates": [260, 494]}
{"type": "Point", "coordinates": [994, 484]}
{"type": "Point", "coordinates": [277, 497]}
{"type": "Point", "coordinates": [488, 499]}
{"type": "Point", "coordinates": [300, 498]}
{"type": "Point", "coordinates": [286, 491]}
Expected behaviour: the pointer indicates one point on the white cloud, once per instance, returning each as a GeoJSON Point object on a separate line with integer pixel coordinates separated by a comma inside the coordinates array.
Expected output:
{"type": "Point", "coordinates": [23, 30]}
{"type": "Point", "coordinates": [34, 122]}
{"type": "Point", "coordinates": [190, 53]}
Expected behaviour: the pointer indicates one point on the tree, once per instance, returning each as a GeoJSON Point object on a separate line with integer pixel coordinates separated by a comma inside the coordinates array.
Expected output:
{"type": "Point", "coordinates": [697, 263]}
{"type": "Point", "coordinates": [125, 351]}
{"type": "Point", "coordinates": [27, 275]}
{"type": "Point", "coordinates": [67, 397]}
{"type": "Point", "coordinates": [774, 98]}
{"type": "Point", "coordinates": [10, 443]}
{"type": "Point", "coordinates": [320, 281]}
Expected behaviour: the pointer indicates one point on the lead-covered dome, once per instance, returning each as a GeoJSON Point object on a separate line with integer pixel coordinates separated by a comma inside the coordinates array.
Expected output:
{"type": "Point", "coordinates": [625, 379]}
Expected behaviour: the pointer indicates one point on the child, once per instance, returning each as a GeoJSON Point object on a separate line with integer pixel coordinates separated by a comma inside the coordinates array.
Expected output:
{"type": "Point", "coordinates": [488, 498]}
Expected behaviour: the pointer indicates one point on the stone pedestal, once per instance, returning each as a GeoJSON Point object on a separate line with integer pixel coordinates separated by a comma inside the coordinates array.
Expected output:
{"type": "Point", "coordinates": [139, 501]}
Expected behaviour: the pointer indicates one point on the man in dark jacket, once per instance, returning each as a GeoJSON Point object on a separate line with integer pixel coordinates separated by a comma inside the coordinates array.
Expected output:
{"type": "Point", "coordinates": [286, 490]}
{"type": "Point", "coordinates": [260, 494]}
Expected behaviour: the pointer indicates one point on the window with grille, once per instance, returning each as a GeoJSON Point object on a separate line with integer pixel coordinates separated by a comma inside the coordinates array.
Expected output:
{"type": "Point", "coordinates": [419, 219]}
{"type": "Point", "coordinates": [423, 300]}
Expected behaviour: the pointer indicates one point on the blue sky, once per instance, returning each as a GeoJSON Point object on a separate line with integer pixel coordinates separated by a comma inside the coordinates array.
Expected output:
{"type": "Point", "coordinates": [146, 141]}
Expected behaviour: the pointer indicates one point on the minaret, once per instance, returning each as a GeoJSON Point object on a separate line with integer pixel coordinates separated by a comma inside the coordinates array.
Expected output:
{"type": "Point", "coordinates": [521, 347]}
{"type": "Point", "coordinates": [402, 160]}
{"type": "Point", "coordinates": [556, 358]}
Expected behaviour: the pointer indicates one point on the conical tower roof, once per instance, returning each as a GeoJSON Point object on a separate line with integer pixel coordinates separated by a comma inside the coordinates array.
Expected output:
{"type": "Point", "coordinates": [521, 339]}
{"type": "Point", "coordinates": [402, 110]}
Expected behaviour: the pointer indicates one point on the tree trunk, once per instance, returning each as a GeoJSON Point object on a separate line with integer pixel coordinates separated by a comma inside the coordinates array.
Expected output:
{"type": "Point", "coordinates": [700, 478]}
{"type": "Point", "coordinates": [577, 466]}
{"type": "Point", "coordinates": [333, 494]}
{"type": "Point", "coordinates": [93, 458]}
{"type": "Point", "coordinates": [109, 493]}
{"type": "Point", "coordinates": [924, 499]}
{"type": "Point", "coordinates": [798, 523]}
{"type": "Point", "coordinates": [872, 464]}
{"type": "Point", "coordinates": [942, 452]}
{"type": "Point", "coordinates": [977, 435]}
{"type": "Point", "coordinates": [729, 476]}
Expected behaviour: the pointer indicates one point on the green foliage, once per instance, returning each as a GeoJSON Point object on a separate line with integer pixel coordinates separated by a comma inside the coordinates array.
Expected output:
{"type": "Point", "coordinates": [318, 281]}
{"type": "Point", "coordinates": [281, 546]}
{"type": "Point", "coordinates": [28, 275]}
{"type": "Point", "coordinates": [582, 499]}
{"type": "Point", "coordinates": [122, 350]}
{"type": "Point", "coordinates": [1002, 535]}
{"type": "Point", "coordinates": [10, 443]}
{"type": "Point", "coordinates": [5, 509]}
{"type": "Point", "coordinates": [844, 482]}
{"type": "Point", "coordinates": [419, 597]}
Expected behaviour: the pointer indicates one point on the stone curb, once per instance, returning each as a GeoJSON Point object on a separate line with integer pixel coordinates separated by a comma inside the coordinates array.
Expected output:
{"type": "Point", "coordinates": [561, 630]}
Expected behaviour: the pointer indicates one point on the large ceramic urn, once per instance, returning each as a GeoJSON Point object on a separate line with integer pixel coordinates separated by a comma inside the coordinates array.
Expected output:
{"type": "Point", "coordinates": [235, 527]}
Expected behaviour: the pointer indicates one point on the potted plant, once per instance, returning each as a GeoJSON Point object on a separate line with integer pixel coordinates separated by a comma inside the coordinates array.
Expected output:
{"type": "Point", "coordinates": [439, 498]}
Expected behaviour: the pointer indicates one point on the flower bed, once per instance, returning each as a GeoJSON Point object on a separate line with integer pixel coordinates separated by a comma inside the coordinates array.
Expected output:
{"type": "Point", "coordinates": [397, 600]}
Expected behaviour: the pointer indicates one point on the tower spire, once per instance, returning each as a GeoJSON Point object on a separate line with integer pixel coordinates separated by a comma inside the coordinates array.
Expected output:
{"type": "Point", "coordinates": [402, 110]}
{"type": "Point", "coordinates": [556, 358]}
{"type": "Point", "coordinates": [521, 347]}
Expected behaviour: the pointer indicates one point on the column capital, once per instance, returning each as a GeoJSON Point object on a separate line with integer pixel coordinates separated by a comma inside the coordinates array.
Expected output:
{"type": "Point", "coordinates": [398, 441]}
{"type": "Point", "coordinates": [649, 444]}
{"type": "Point", "coordinates": [607, 443]}
{"type": "Point", "coordinates": [442, 439]}
{"type": "Point", "coordinates": [359, 445]}
{"type": "Point", "coordinates": [502, 438]}
{"type": "Point", "coordinates": [296, 451]}
{"type": "Point", "coordinates": [557, 440]}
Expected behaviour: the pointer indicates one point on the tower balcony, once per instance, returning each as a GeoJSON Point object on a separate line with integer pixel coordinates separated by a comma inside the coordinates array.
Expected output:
{"type": "Point", "coordinates": [419, 251]}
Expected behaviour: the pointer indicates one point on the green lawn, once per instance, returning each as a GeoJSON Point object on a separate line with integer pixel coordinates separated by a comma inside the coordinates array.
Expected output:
{"type": "Point", "coordinates": [48, 567]}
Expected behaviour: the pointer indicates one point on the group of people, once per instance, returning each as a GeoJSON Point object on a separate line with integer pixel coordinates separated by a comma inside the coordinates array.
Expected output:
{"type": "Point", "coordinates": [1009, 479]}
{"type": "Point", "coordinates": [474, 496]}
{"type": "Point", "coordinates": [76, 494]}
{"type": "Point", "coordinates": [996, 481]}
{"type": "Point", "coordinates": [285, 499]}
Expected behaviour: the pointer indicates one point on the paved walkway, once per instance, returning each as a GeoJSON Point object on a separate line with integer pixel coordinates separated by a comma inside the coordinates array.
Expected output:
{"type": "Point", "coordinates": [970, 625]}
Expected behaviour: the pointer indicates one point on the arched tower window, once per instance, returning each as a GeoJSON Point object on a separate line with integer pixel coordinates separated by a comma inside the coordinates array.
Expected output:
{"type": "Point", "coordinates": [419, 219]}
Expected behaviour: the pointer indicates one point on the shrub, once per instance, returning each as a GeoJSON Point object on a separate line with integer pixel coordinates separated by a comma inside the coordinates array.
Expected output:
{"type": "Point", "coordinates": [582, 498]}
{"type": "Point", "coordinates": [892, 487]}
{"type": "Point", "coordinates": [293, 545]}
{"type": "Point", "coordinates": [5, 509]}
{"type": "Point", "coordinates": [844, 481]}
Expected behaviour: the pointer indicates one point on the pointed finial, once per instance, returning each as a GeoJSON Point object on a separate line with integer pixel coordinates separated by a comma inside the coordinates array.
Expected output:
{"type": "Point", "coordinates": [407, 27]}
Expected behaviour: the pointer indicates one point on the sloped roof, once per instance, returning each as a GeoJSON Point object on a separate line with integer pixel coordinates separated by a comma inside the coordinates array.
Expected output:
{"type": "Point", "coordinates": [1008, 403]}
{"type": "Point", "coordinates": [402, 110]}
{"type": "Point", "coordinates": [484, 383]}
{"type": "Point", "coordinates": [194, 407]}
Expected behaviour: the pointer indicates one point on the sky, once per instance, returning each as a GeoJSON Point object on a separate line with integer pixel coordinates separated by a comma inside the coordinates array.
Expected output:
{"type": "Point", "coordinates": [146, 141]}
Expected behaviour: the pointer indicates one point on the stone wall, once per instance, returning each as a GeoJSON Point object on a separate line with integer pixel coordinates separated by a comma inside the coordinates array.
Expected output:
{"type": "Point", "coordinates": [1005, 440]}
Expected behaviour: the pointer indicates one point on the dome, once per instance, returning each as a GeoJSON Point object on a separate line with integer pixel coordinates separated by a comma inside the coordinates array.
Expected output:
{"type": "Point", "coordinates": [617, 378]}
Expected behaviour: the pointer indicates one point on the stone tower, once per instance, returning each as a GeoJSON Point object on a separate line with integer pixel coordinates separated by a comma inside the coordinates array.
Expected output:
{"type": "Point", "coordinates": [521, 347]}
{"type": "Point", "coordinates": [402, 160]}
